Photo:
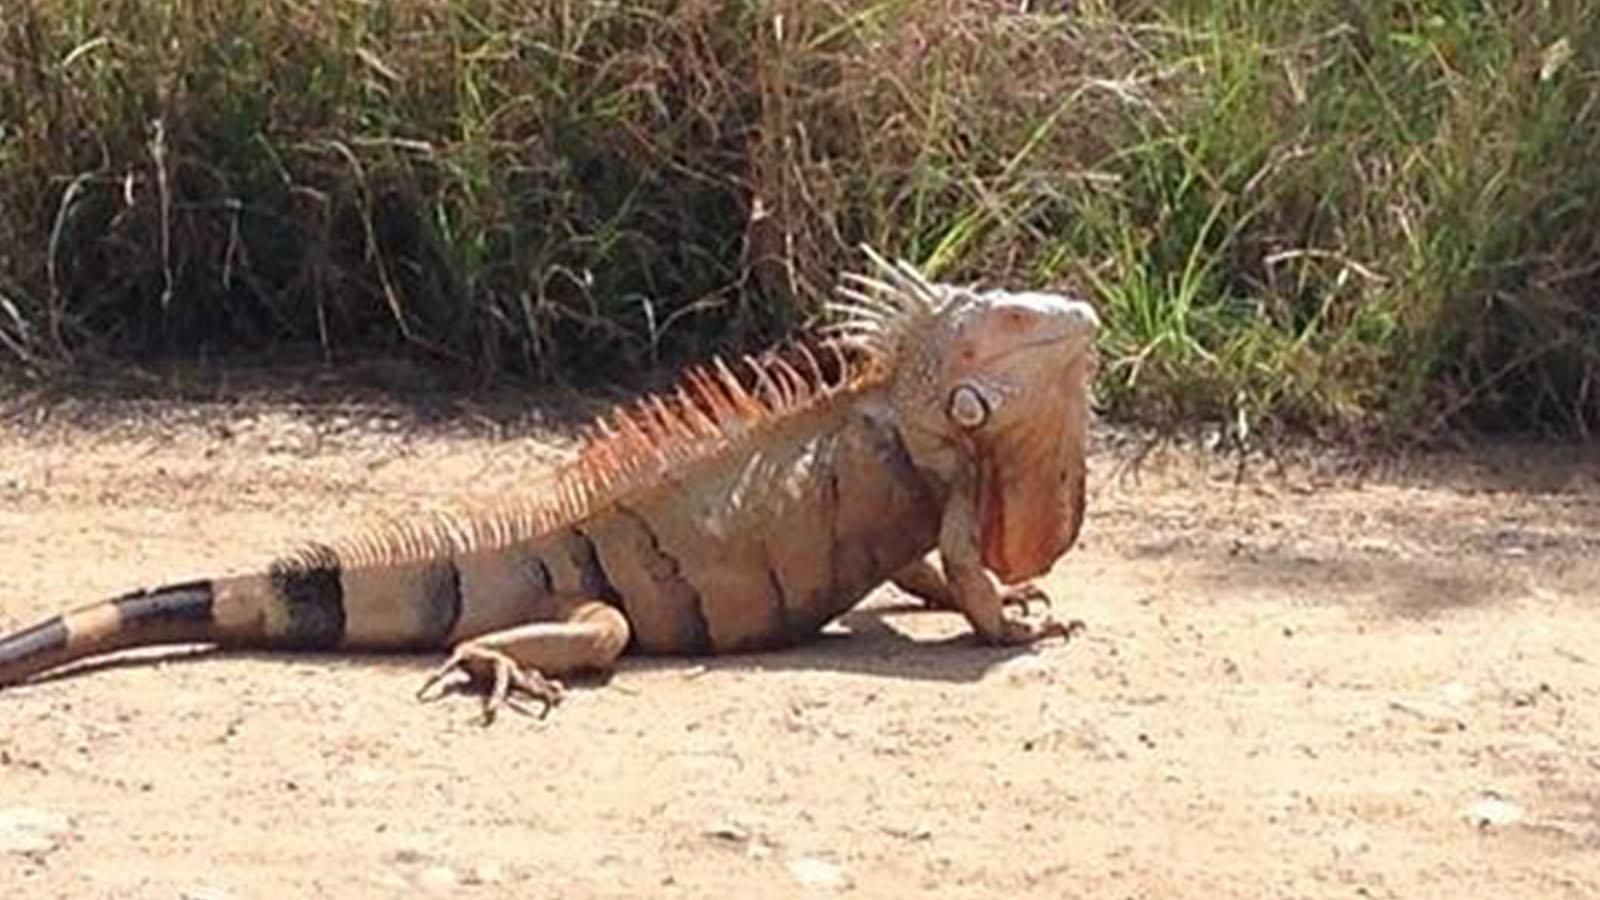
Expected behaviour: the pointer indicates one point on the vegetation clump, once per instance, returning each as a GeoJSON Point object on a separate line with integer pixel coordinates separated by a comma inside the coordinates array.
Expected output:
{"type": "Point", "coordinates": [1323, 214]}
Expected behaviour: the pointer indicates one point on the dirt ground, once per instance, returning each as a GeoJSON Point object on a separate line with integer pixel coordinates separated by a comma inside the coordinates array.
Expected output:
{"type": "Point", "coordinates": [1325, 679]}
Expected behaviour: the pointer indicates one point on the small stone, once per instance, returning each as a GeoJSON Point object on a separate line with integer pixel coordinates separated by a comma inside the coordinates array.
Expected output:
{"type": "Point", "coordinates": [1491, 810]}
{"type": "Point", "coordinates": [1375, 545]}
{"type": "Point", "coordinates": [1306, 553]}
{"type": "Point", "coordinates": [729, 831]}
{"type": "Point", "coordinates": [408, 857]}
{"type": "Point", "coordinates": [815, 872]}
{"type": "Point", "coordinates": [1159, 545]}
{"type": "Point", "coordinates": [1437, 718]}
{"type": "Point", "coordinates": [367, 775]}
{"type": "Point", "coordinates": [908, 832]}
{"type": "Point", "coordinates": [24, 830]}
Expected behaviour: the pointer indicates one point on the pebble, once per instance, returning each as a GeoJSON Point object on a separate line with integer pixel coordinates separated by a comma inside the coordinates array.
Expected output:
{"type": "Point", "coordinates": [1027, 668]}
{"type": "Point", "coordinates": [1160, 545]}
{"type": "Point", "coordinates": [24, 830]}
{"type": "Point", "coordinates": [729, 831]}
{"type": "Point", "coordinates": [1457, 693]}
{"type": "Point", "coordinates": [814, 872]}
{"type": "Point", "coordinates": [1491, 810]}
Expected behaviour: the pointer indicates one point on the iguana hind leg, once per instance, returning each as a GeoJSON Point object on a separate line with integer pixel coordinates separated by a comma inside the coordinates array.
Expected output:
{"type": "Point", "coordinates": [923, 580]}
{"type": "Point", "coordinates": [525, 660]}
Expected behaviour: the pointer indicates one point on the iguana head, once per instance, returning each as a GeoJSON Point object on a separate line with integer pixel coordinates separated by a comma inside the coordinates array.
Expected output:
{"type": "Point", "coordinates": [1000, 378]}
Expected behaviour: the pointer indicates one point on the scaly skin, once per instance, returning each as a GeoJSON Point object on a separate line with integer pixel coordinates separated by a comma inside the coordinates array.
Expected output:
{"type": "Point", "coordinates": [730, 515]}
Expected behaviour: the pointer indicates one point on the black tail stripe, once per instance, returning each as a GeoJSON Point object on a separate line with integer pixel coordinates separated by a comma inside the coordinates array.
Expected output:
{"type": "Point", "coordinates": [441, 585]}
{"type": "Point", "coordinates": [313, 601]}
{"type": "Point", "coordinates": [49, 636]}
{"type": "Point", "coordinates": [187, 603]}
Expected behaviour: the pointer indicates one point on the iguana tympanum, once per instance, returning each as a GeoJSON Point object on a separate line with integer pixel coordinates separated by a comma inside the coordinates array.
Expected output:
{"type": "Point", "coordinates": [731, 514]}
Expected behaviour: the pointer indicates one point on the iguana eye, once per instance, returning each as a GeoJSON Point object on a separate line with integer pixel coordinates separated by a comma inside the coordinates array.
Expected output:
{"type": "Point", "coordinates": [968, 408]}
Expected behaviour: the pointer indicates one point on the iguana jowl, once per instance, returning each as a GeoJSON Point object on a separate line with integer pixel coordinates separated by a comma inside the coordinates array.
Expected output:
{"type": "Point", "coordinates": [729, 515]}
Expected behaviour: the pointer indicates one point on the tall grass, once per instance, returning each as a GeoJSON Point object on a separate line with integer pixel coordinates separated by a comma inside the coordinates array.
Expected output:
{"type": "Point", "coordinates": [1326, 214]}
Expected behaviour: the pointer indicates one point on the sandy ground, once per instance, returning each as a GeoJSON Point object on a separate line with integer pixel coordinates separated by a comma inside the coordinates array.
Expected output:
{"type": "Point", "coordinates": [1320, 680]}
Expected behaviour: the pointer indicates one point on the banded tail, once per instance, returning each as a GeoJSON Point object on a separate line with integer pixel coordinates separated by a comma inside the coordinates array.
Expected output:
{"type": "Point", "coordinates": [177, 614]}
{"type": "Point", "coordinates": [296, 605]}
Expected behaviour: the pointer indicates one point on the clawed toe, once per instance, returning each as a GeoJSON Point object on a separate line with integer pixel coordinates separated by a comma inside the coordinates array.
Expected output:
{"type": "Point", "coordinates": [507, 682]}
{"type": "Point", "coordinates": [1023, 596]}
{"type": "Point", "coordinates": [1065, 630]}
{"type": "Point", "coordinates": [512, 680]}
{"type": "Point", "coordinates": [1020, 632]}
{"type": "Point", "coordinates": [438, 675]}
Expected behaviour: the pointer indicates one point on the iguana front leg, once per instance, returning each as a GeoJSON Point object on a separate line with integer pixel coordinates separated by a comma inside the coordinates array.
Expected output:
{"type": "Point", "coordinates": [975, 591]}
{"type": "Point", "coordinates": [923, 580]}
{"type": "Point", "coordinates": [522, 660]}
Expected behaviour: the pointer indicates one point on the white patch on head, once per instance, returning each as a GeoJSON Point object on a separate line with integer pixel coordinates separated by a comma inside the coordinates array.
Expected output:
{"type": "Point", "coordinates": [1076, 315]}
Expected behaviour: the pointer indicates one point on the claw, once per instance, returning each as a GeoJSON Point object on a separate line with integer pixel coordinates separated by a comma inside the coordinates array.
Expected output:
{"type": "Point", "coordinates": [1018, 632]}
{"type": "Point", "coordinates": [456, 661]}
{"type": "Point", "coordinates": [506, 680]}
{"type": "Point", "coordinates": [1065, 630]}
{"type": "Point", "coordinates": [1023, 596]}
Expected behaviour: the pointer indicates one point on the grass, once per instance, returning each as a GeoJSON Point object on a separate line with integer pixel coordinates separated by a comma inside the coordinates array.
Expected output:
{"type": "Point", "coordinates": [1328, 215]}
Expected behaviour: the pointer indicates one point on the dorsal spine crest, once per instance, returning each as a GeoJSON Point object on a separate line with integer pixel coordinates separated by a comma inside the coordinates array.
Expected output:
{"type": "Point", "coordinates": [709, 412]}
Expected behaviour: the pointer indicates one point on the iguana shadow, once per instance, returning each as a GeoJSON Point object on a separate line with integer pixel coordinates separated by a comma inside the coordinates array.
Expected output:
{"type": "Point", "coordinates": [861, 642]}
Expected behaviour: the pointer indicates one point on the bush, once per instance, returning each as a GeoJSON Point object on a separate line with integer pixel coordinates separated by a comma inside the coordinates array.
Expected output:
{"type": "Point", "coordinates": [1322, 214]}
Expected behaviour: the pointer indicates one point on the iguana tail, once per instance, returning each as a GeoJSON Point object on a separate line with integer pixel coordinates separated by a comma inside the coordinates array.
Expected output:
{"type": "Point", "coordinates": [180, 613]}
{"type": "Point", "coordinates": [306, 603]}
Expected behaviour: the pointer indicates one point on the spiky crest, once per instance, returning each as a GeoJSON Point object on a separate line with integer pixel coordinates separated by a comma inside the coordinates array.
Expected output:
{"type": "Point", "coordinates": [709, 412]}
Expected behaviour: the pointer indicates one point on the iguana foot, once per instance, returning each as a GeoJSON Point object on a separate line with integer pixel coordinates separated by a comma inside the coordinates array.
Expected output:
{"type": "Point", "coordinates": [1023, 596]}
{"type": "Point", "coordinates": [503, 679]}
{"type": "Point", "coordinates": [1016, 631]}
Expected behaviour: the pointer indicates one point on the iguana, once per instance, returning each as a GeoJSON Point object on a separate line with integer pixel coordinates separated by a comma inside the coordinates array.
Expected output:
{"type": "Point", "coordinates": [730, 514]}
